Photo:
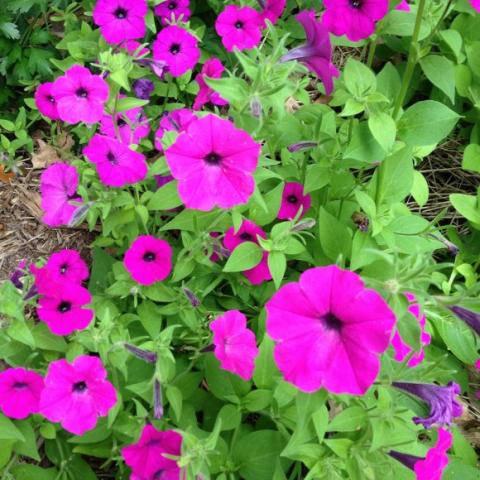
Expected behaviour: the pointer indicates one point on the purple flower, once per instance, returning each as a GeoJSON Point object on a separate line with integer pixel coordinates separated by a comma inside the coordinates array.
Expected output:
{"type": "Point", "coordinates": [143, 88]}
{"type": "Point", "coordinates": [17, 275]}
{"type": "Point", "coordinates": [157, 400]}
{"type": "Point", "coordinates": [316, 54]}
{"type": "Point", "coordinates": [472, 319]}
{"type": "Point", "coordinates": [192, 298]}
{"type": "Point", "coordinates": [297, 147]}
{"type": "Point", "coordinates": [440, 399]}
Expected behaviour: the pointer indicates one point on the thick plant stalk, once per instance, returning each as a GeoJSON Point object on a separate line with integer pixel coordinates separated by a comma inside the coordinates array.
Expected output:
{"type": "Point", "coordinates": [411, 62]}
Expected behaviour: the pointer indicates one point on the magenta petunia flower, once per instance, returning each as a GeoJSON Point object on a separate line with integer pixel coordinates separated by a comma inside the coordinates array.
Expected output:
{"type": "Point", "coordinates": [162, 180]}
{"type": "Point", "coordinates": [316, 54]}
{"type": "Point", "coordinates": [272, 10]}
{"type": "Point", "coordinates": [120, 20]}
{"type": "Point", "coordinates": [65, 266]}
{"type": "Point", "coordinates": [61, 305]}
{"type": "Point", "coordinates": [400, 347]}
{"type": "Point", "coordinates": [77, 393]}
{"type": "Point", "coordinates": [432, 466]}
{"type": "Point", "coordinates": [248, 232]}
{"type": "Point", "coordinates": [239, 27]}
{"type": "Point", "coordinates": [131, 46]}
{"type": "Point", "coordinates": [45, 101]}
{"type": "Point", "coordinates": [147, 457]}
{"type": "Point", "coordinates": [354, 18]}
{"type": "Point", "coordinates": [329, 331]}
{"type": "Point", "coordinates": [235, 344]}
{"type": "Point", "coordinates": [117, 165]}
{"type": "Point", "coordinates": [80, 95]}
{"type": "Point", "coordinates": [173, 10]}
{"type": "Point", "coordinates": [213, 162]}
{"type": "Point", "coordinates": [174, 121]}
{"type": "Point", "coordinates": [440, 399]}
{"type": "Point", "coordinates": [475, 4]}
{"type": "Point", "coordinates": [132, 126]}
{"type": "Point", "coordinates": [292, 199]}
{"type": "Point", "coordinates": [148, 260]}
{"type": "Point", "coordinates": [20, 391]}
{"type": "Point", "coordinates": [58, 187]}
{"type": "Point", "coordinates": [212, 68]}
{"type": "Point", "coordinates": [177, 48]}
{"type": "Point", "coordinates": [403, 6]}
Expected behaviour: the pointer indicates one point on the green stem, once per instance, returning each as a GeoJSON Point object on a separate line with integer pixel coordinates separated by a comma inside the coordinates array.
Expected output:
{"type": "Point", "coordinates": [412, 60]}
{"type": "Point", "coordinates": [439, 23]}
{"type": "Point", "coordinates": [371, 52]}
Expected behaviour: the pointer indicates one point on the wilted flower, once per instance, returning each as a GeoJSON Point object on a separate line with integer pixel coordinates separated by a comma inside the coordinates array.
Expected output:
{"type": "Point", "coordinates": [441, 400]}
{"type": "Point", "coordinates": [143, 88]}
{"type": "Point", "coordinates": [18, 274]}
{"type": "Point", "coordinates": [316, 54]}
{"type": "Point", "coordinates": [472, 319]}
{"type": "Point", "coordinates": [329, 331]}
{"type": "Point", "coordinates": [235, 344]}
{"type": "Point", "coordinates": [20, 391]}
{"type": "Point", "coordinates": [239, 27]}
{"type": "Point", "coordinates": [293, 199]}
{"type": "Point", "coordinates": [45, 101]}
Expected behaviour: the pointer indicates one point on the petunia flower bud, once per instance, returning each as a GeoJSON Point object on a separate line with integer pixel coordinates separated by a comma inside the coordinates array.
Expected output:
{"type": "Point", "coordinates": [192, 298]}
{"type": "Point", "coordinates": [144, 355]}
{"type": "Point", "coordinates": [472, 319]}
{"type": "Point", "coordinates": [17, 275]}
{"type": "Point", "coordinates": [157, 400]}
{"type": "Point", "coordinates": [297, 147]}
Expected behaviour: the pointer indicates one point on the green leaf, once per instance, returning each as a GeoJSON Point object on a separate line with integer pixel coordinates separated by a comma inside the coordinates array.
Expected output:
{"type": "Point", "coordinates": [320, 422]}
{"type": "Point", "coordinates": [12, 303]}
{"type": "Point", "coordinates": [335, 237]}
{"type": "Point", "coordinates": [10, 30]}
{"type": "Point", "coordinates": [348, 420]}
{"type": "Point", "coordinates": [101, 266]}
{"type": "Point", "coordinates": [28, 447]}
{"type": "Point", "coordinates": [30, 472]}
{"type": "Point", "coordinates": [230, 417]}
{"type": "Point", "coordinates": [317, 177]}
{"type": "Point", "coordinates": [19, 331]}
{"type": "Point", "coordinates": [277, 264]}
{"type": "Point", "coordinates": [471, 158]}
{"type": "Point", "coordinates": [256, 454]}
{"type": "Point", "coordinates": [245, 256]}
{"type": "Point", "coordinates": [174, 397]}
{"type": "Point", "coordinates": [165, 198]}
{"type": "Point", "coordinates": [420, 191]}
{"type": "Point", "coordinates": [8, 431]}
{"type": "Point", "coordinates": [466, 205]}
{"type": "Point", "coordinates": [120, 77]}
{"type": "Point", "coordinates": [233, 89]}
{"type": "Point", "coordinates": [257, 400]}
{"type": "Point", "coordinates": [128, 103]}
{"type": "Point", "coordinates": [426, 123]}
{"type": "Point", "coordinates": [384, 130]}
{"type": "Point", "coordinates": [363, 146]}
{"type": "Point", "coordinates": [441, 72]}
{"type": "Point", "coordinates": [265, 368]}
{"type": "Point", "coordinates": [358, 78]}
{"type": "Point", "coordinates": [46, 340]}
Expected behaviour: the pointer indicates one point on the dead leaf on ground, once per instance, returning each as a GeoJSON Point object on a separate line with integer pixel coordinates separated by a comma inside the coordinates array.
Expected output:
{"type": "Point", "coordinates": [44, 156]}
{"type": "Point", "coordinates": [5, 177]}
{"type": "Point", "coordinates": [64, 141]}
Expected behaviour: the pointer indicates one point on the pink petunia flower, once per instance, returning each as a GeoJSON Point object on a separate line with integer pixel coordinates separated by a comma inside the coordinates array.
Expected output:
{"type": "Point", "coordinates": [248, 232]}
{"type": "Point", "coordinates": [132, 126]}
{"type": "Point", "coordinates": [80, 95]}
{"type": "Point", "coordinates": [20, 391]}
{"type": "Point", "coordinates": [117, 165]}
{"type": "Point", "coordinates": [272, 10]}
{"type": "Point", "coordinates": [354, 18]}
{"type": "Point", "coordinates": [61, 305]}
{"type": "Point", "coordinates": [213, 162]}
{"type": "Point", "coordinates": [316, 54]}
{"type": "Point", "coordinates": [45, 101]}
{"type": "Point", "coordinates": [131, 46]}
{"type": "Point", "coordinates": [403, 6]}
{"type": "Point", "coordinates": [177, 48]}
{"type": "Point", "coordinates": [120, 20]}
{"type": "Point", "coordinates": [173, 10]}
{"type": "Point", "coordinates": [174, 121]}
{"type": "Point", "coordinates": [239, 27]}
{"type": "Point", "coordinates": [212, 68]}
{"type": "Point", "coordinates": [475, 4]}
{"type": "Point", "coordinates": [65, 266]}
{"type": "Point", "coordinates": [58, 187]}
{"type": "Point", "coordinates": [77, 393]}
{"type": "Point", "coordinates": [235, 344]}
{"type": "Point", "coordinates": [148, 260]}
{"type": "Point", "coordinates": [329, 331]}
{"type": "Point", "coordinates": [292, 199]}
{"type": "Point", "coordinates": [400, 347]}
{"type": "Point", "coordinates": [147, 457]}
{"type": "Point", "coordinates": [432, 466]}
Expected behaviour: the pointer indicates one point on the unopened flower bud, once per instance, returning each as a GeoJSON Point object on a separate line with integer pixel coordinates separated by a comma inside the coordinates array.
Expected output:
{"type": "Point", "coordinates": [297, 147]}
{"type": "Point", "coordinates": [144, 355]}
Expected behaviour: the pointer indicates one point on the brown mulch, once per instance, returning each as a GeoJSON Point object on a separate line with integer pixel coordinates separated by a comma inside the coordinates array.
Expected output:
{"type": "Point", "coordinates": [22, 234]}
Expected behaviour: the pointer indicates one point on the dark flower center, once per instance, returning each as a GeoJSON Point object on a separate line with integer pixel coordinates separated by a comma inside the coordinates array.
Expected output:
{"type": "Point", "coordinates": [213, 158]}
{"type": "Point", "coordinates": [20, 385]}
{"type": "Point", "coordinates": [149, 256]}
{"type": "Point", "coordinates": [246, 236]}
{"type": "Point", "coordinates": [331, 322]}
{"type": "Point", "coordinates": [63, 268]}
{"type": "Point", "coordinates": [292, 199]}
{"type": "Point", "coordinates": [152, 442]}
{"type": "Point", "coordinates": [238, 24]}
{"type": "Point", "coordinates": [172, 5]}
{"type": "Point", "coordinates": [120, 13]}
{"type": "Point", "coordinates": [50, 99]}
{"type": "Point", "coordinates": [175, 48]}
{"type": "Point", "coordinates": [81, 92]}
{"type": "Point", "coordinates": [356, 3]}
{"type": "Point", "coordinates": [158, 474]}
{"type": "Point", "coordinates": [79, 387]}
{"type": "Point", "coordinates": [64, 307]}
{"type": "Point", "coordinates": [121, 122]}
{"type": "Point", "coordinates": [111, 158]}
